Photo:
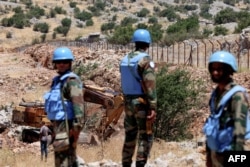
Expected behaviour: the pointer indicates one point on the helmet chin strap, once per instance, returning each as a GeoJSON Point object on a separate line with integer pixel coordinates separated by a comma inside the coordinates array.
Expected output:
{"type": "Point", "coordinates": [64, 72]}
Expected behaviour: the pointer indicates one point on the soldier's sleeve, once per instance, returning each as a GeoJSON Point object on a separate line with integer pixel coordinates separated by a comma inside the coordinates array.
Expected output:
{"type": "Point", "coordinates": [147, 71]}
{"type": "Point", "coordinates": [75, 94]}
{"type": "Point", "coordinates": [239, 108]}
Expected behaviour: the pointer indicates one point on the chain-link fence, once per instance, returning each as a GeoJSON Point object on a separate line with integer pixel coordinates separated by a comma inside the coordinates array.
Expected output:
{"type": "Point", "coordinates": [190, 52]}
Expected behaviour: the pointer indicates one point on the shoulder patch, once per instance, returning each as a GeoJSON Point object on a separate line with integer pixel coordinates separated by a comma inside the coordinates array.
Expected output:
{"type": "Point", "coordinates": [152, 64]}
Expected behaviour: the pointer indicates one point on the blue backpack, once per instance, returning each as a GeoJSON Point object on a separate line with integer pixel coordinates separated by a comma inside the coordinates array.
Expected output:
{"type": "Point", "coordinates": [220, 140]}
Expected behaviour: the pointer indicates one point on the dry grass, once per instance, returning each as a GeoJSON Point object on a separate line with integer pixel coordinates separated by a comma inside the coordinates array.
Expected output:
{"type": "Point", "coordinates": [110, 150]}
{"type": "Point", "coordinates": [25, 36]}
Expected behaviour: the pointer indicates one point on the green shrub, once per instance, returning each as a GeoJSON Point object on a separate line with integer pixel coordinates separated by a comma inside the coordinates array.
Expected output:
{"type": "Point", "coordinates": [54, 35]}
{"type": "Point", "coordinates": [143, 12]}
{"type": "Point", "coordinates": [66, 22]}
{"type": "Point", "coordinates": [36, 12]}
{"type": "Point", "coordinates": [72, 4]}
{"type": "Point", "coordinates": [8, 35]}
{"type": "Point", "coordinates": [41, 27]}
{"type": "Point", "coordinates": [83, 16]}
{"type": "Point", "coordinates": [108, 26]}
{"type": "Point", "coordinates": [83, 69]}
{"type": "Point", "coordinates": [122, 35]}
{"type": "Point", "coordinates": [177, 93]}
{"type": "Point", "coordinates": [89, 22]}
{"type": "Point", "coordinates": [219, 30]}
{"type": "Point", "coordinates": [43, 37]}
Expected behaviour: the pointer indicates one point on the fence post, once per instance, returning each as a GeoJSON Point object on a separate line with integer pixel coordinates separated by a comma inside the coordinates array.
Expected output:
{"type": "Point", "coordinates": [157, 51]}
{"type": "Point", "coordinates": [173, 54]}
{"type": "Point", "coordinates": [167, 53]}
{"type": "Point", "coordinates": [178, 53]}
{"type": "Point", "coordinates": [248, 55]}
{"type": "Point", "coordinates": [212, 45]}
{"type": "Point", "coordinates": [205, 46]}
{"type": "Point", "coordinates": [238, 54]}
{"type": "Point", "coordinates": [197, 52]}
{"type": "Point", "coordinates": [219, 44]}
{"type": "Point", "coordinates": [162, 59]}
{"type": "Point", "coordinates": [184, 52]}
{"type": "Point", "coordinates": [229, 46]}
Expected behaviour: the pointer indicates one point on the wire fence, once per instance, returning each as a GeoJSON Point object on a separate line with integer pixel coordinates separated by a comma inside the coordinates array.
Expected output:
{"type": "Point", "coordinates": [190, 52]}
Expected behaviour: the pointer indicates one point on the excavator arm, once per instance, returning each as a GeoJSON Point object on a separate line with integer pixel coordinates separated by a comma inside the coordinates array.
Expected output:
{"type": "Point", "coordinates": [33, 113]}
{"type": "Point", "coordinates": [113, 104]}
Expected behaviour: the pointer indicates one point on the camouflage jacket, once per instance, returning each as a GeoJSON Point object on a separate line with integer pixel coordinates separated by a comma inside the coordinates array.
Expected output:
{"type": "Point", "coordinates": [73, 91]}
{"type": "Point", "coordinates": [146, 69]}
{"type": "Point", "coordinates": [236, 109]}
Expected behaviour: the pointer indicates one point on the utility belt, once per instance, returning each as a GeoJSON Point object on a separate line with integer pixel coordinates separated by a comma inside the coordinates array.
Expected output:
{"type": "Point", "coordinates": [134, 96]}
{"type": "Point", "coordinates": [141, 98]}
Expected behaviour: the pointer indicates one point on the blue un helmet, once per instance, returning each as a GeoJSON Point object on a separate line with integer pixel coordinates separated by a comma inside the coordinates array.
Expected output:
{"type": "Point", "coordinates": [141, 35]}
{"type": "Point", "coordinates": [224, 57]}
{"type": "Point", "coordinates": [62, 53]}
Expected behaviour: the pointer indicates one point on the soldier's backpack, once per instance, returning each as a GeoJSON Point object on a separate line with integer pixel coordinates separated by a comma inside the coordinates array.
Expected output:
{"type": "Point", "coordinates": [220, 140]}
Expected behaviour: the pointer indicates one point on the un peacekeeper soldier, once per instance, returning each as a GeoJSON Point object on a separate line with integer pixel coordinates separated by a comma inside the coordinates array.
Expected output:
{"type": "Point", "coordinates": [139, 89]}
{"type": "Point", "coordinates": [222, 65]}
{"type": "Point", "coordinates": [64, 107]}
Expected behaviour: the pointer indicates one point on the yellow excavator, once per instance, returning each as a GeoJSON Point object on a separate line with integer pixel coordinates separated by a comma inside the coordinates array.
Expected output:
{"type": "Point", "coordinates": [32, 113]}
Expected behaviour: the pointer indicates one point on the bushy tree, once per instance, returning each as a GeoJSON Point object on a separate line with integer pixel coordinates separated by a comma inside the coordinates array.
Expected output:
{"type": "Point", "coordinates": [170, 14]}
{"type": "Point", "coordinates": [89, 22]}
{"type": "Point", "coordinates": [83, 16]}
{"type": "Point", "coordinates": [122, 35]}
{"type": "Point", "coordinates": [183, 29]}
{"type": "Point", "coordinates": [177, 93]}
{"type": "Point", "coordinates": [152, 20]}
{"type": "Point", "coordinates": [226, 15]}
{"type": "Point", "coordinates": [128, 21]}
{"type": "Point", "coordinates": [143, 12]}
{"type": "Point", "coordinates": [205, 11]}
{"type": "Point", "coordinates": [66, 22]}
{"type": "Point", "coordinates": [42, 27]}
{"type": "Point", "coordinates": [219, 30]}
{"type": "Point", "coordinates": [107, 26]}
{"type": "Point", "coordinates": [36, 12]}
{"type": "Point", "coordinates": [60, 10]}
{"type": "Point", "coordinates": [72, 4]}
{"type": "Point", "coordinates": [156, 32]}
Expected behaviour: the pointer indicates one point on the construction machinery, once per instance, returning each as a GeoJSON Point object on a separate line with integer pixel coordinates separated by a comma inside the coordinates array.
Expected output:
{"type": "Point", "coordinates": [32, 113]}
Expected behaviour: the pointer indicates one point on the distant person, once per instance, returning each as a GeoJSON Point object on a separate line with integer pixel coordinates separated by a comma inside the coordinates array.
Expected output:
{"type": "Point", "coordinates": [139, 89]}
{"type": "Point", "coordinates": [44, 138]}
{"type": "Point", "coordinates": [64, 108]}
{"type": "Point", "coordinates": [226, 128]}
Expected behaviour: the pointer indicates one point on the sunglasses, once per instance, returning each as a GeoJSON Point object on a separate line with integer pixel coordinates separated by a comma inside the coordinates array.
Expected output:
{"type": "Point", "coordinates": [61, 62]}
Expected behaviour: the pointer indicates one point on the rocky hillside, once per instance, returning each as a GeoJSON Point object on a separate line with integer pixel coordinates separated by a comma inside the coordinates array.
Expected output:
{"type": "Point", "coordinates": [11, 36]}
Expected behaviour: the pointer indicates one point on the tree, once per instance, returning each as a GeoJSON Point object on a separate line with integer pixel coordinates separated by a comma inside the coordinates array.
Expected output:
{"type": "Point", "coordinates": [219, 30]}
{"type": "Point", "coordinates": [225, 16]}
{"type": "Point", "coordinates": [177, 93]}
{"type": "Point", "coordinates": [66, 22]}
{"type": "Point", "coordinates": [122, 35]}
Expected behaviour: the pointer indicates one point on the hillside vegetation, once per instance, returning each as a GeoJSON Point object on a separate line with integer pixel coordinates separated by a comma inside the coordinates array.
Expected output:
{"type": "Point", "coordinates": [34, 21]}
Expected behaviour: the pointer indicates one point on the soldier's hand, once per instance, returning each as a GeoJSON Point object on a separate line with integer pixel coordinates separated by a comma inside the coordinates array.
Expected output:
{"type": "Point", "coordinates": [152, 115]}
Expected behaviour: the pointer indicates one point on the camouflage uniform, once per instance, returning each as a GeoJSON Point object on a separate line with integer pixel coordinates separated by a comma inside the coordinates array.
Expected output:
{"type": "Point", "coordinates": [136, 108]}
{"type": "Point", "coordinates": [237, 109]}
{"type": "Point", "coordinates": [72, 90]}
